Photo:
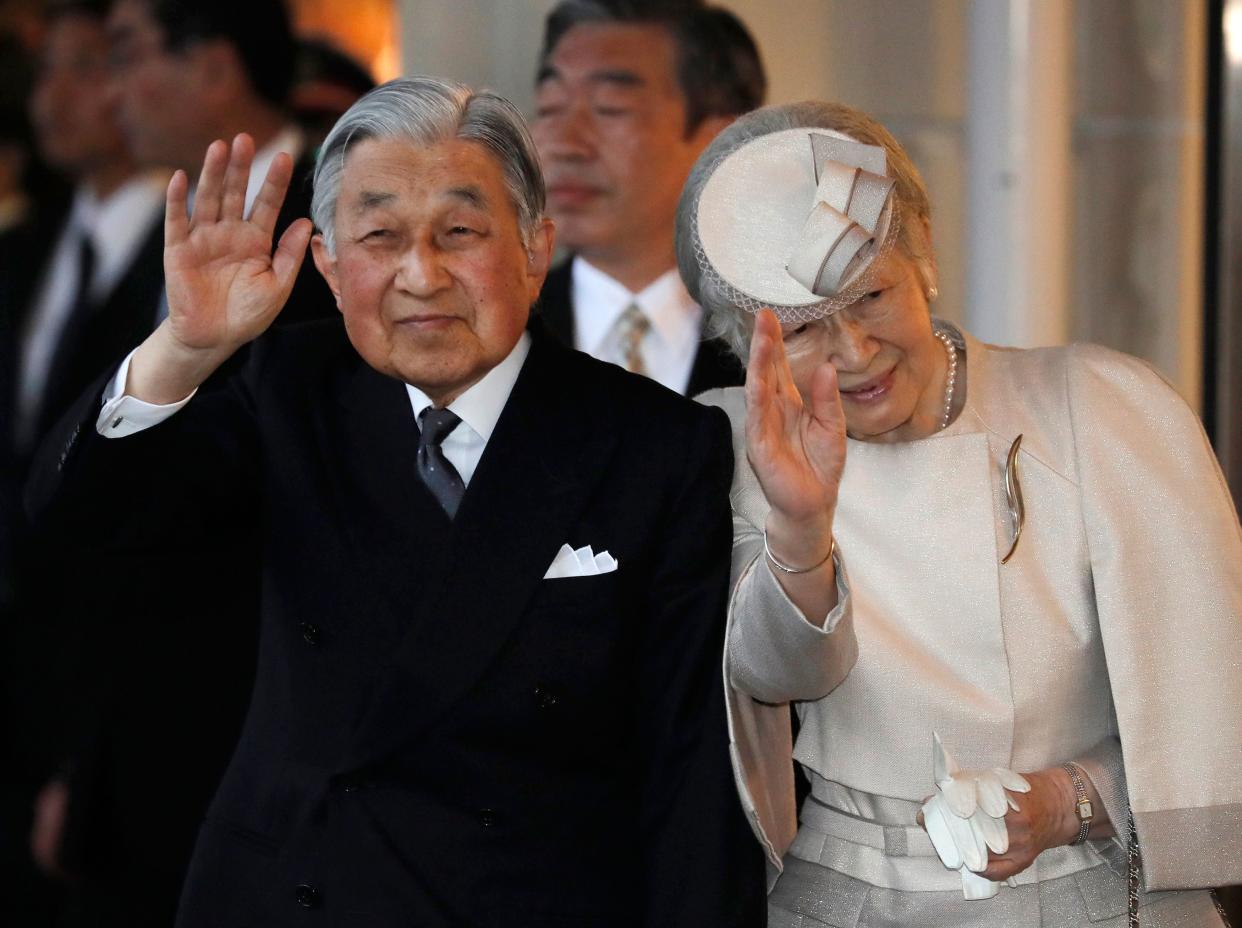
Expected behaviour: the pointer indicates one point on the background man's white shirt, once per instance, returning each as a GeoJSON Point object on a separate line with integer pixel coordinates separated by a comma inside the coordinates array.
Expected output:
{"type": "Point", "coordinates": [116, 227]}
{"type": "Point", "coordinates": [671, 343]}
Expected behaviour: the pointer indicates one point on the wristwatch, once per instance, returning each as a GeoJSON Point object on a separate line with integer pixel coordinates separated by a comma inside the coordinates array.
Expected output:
{"type": "Point", "coordinates": [1082, 805]}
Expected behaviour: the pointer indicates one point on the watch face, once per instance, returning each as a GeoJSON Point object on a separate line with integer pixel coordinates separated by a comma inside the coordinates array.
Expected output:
{"type": "Point", "coordinates": [1084, 810]}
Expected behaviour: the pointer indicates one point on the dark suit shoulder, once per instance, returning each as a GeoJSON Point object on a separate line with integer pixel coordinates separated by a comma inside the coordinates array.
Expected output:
{"type": "Point", "coordinates": [555, 307]}
{"type": "Point", "coordinates": [308, 346]}
{"type": "Point", "coordinates": [646, 413]}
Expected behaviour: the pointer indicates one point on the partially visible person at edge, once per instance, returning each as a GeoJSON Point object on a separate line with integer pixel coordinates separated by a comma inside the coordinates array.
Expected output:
{"type": "Point", "coordinates": [1028, 553]}
{"type": "Point", "coordinates": [629, 93]}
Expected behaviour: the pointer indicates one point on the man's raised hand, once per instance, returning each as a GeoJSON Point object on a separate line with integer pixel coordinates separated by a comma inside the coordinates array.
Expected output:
{"type": "Point", "coordinates": [225, 286]}
{"type": "Point", "coordinates": [224, 283]}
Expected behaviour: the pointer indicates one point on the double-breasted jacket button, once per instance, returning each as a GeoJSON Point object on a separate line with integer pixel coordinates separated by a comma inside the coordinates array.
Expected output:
{"type": "Point", "coordinates": [310, 633]}
{"type": "Point", "coordinates": [352, 782]}
{"type": "Point", "coordinates": [307, 896]}
{"type": "Point", "coordinates": [545, 698]}
{"type": "Point", "coordinates": [488, 817]}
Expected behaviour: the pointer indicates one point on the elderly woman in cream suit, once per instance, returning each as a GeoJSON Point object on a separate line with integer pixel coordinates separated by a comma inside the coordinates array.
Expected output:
{"type": "Point", "coordinates": [1026, 557]}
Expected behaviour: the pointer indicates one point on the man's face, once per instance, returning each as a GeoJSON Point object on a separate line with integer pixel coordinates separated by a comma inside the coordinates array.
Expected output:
{"type": "Point", "coordinates": [430, 270]}
{"type": "Point", "coordinates": [611, 129]}
{"type": "Point", "coordinates": [71, 110]}
{"type": "Point", "coordinates": [156, 90]}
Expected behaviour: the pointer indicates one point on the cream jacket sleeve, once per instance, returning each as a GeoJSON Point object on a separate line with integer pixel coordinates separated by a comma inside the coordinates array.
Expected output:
{"type": "Point", "coordinates": [1166, 568]}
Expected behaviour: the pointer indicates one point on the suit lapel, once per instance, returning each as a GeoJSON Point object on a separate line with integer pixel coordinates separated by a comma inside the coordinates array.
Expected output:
{"type": "Point", "coordinates": [394, 529]}
{"type": "Point", "coordinates": [540, 467]}
{"type": "Point", "coordinates": [714, 366]}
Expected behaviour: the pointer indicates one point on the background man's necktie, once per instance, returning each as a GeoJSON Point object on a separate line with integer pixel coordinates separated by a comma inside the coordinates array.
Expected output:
{"type": "Point", "coordinates": [434, 468]}
{"type": "Point", "coordinates": [70, 340]}
{"type": "Point", "coordinates": [632, 327]}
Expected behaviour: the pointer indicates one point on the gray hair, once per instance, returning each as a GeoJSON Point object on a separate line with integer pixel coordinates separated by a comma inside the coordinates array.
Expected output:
{"type": "Point", "coordinates": [733, 324]}
{"type": "Point", "coordinates": [427, 111]}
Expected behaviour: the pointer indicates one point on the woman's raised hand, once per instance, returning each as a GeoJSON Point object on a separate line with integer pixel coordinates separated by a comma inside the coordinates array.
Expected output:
{"type": "Point", "coordinates": [225, 285]}
{"type": "Point", "coordinates": [795, 445]}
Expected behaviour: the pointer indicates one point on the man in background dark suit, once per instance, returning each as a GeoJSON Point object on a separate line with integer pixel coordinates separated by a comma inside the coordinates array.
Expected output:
{"type": "Point", "coordinates": [629, 93]}
{"type": "Point", "coordinates": [190, 71]}
{"type": "Point", "coordinates": [80, 280]}
{"type": "Point", "coordinates": [489, 686]}
{"type": "Point", "coordinates": [108, 687]}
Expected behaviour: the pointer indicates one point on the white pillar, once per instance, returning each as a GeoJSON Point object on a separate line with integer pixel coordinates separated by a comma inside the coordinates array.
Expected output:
{"type": "Point", "coordinates": [485, 43]}
{"type": "Point", "coordinates": [1019, 213]}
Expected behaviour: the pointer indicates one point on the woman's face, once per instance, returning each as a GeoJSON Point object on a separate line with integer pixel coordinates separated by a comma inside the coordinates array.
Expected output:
{"type": "Point", "coordinates": [890, 367]}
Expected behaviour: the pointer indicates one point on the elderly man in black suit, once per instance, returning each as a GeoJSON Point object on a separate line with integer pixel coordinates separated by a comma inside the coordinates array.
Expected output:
{"type": "Point", "coordinates": [629, 94]}
{"type": "Point", "coordinates": [494, 569]}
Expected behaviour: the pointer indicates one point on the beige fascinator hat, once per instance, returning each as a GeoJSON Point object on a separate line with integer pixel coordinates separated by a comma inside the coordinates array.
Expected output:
{"type": "Point", "coordinates": [794, 221]}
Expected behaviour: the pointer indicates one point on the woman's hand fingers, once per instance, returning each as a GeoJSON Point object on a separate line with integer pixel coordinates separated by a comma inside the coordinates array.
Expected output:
{"type": "Point", "coordinates": [1040, 822]}
{"type": "Point", "coordinates": [826, 407]}
{"type": "Point", "coordinates": [795, 444]}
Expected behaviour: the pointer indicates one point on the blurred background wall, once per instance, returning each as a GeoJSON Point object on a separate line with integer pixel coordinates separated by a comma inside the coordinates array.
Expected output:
{"type": "Point", "coordinates": [1062, 141]}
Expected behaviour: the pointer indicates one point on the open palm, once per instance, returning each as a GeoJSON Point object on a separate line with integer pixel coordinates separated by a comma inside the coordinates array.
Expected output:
{"type": "Point", "coordinates": [225, 285]}
{"type": "Point", "coordinates": [795, 445]}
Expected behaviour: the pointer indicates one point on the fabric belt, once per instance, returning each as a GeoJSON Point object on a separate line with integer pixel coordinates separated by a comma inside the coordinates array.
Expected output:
{"type": "Point", "coordinates": [903, 858]}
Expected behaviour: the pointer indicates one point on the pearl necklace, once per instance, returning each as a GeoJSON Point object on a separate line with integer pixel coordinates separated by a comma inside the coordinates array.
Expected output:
{"type": "Point", "coordinates": [950, 381]}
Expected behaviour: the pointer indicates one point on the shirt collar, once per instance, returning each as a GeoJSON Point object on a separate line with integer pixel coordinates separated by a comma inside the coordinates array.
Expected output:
{"type": "Point", "coordinates": [480, 405]}
{"type": "Point", "coordinates": [673, 315]}
{"type": "Point", "coordinates": [119, 222]}
{"type": "Point", "coordinates": [290, 140]}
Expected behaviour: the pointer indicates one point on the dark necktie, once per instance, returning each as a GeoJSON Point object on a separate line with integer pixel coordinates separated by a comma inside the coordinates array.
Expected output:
{"type": "Point", "coordinates": [60, 385]}
{"type": "Point", "coordinates": [434, 468]}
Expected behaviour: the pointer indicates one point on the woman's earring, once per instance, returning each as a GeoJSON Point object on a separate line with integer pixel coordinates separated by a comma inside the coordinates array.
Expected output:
{"type": "Point", "coordinates": [932, 293]}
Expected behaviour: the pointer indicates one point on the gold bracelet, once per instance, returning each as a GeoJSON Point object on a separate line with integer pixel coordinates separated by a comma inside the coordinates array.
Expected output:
{"type": "Point", "coordinates": [785, 568]}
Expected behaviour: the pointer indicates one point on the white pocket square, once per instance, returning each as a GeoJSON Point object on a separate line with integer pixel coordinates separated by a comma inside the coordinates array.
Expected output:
{"type": "Point", "coordinates": [582, 562]}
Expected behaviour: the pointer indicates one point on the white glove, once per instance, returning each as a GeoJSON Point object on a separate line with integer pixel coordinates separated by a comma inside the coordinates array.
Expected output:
{"type": "Point", "coordinates": [966, 817]}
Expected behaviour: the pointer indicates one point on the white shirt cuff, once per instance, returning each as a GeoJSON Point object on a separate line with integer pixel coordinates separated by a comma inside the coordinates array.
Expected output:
{"type": "Point", "coordinates": [124, 415]}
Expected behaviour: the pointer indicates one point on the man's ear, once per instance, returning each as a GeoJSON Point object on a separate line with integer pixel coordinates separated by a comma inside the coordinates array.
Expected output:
{"type": "Point", "coordinates": [326, 263]}
{"type": "Point", "coordinates": [540, 245]}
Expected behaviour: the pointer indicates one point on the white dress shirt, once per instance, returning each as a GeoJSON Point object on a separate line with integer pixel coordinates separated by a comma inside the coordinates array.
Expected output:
{"type": "Point", "coordinates": [479, 408]}
{"type": "Point", "coordinates": [672, 341]}
{"type": "Point", "coordinates": [289, 140]}
{"type": "Point", "coordinates": [116, 227]}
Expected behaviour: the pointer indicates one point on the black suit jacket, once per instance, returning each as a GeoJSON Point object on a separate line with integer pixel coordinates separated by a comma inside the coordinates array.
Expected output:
{"type": "Point", "coordinates": [714, 365]}
{"type": "Point", "coordinates": [438, 736]}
